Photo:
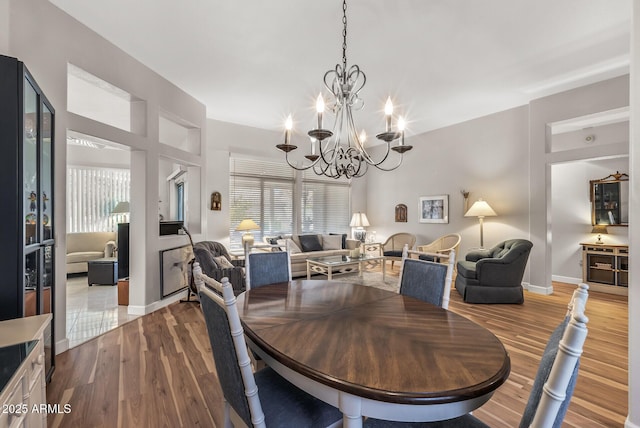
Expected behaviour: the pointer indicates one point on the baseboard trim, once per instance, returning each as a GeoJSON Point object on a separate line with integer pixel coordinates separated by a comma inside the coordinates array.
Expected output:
{"type": "Point", "coordinates": [629, 424]}
{"type": "Point", "coordinates": [144, 310]}
{"type": "Point", "coordinates": [62, 345]}
{"type": "Point", "coordinates": [538, 289]}
{"type": "Point", "coordinates": [566, 279]}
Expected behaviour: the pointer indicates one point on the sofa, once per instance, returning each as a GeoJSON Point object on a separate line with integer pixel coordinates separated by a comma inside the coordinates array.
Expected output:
{"type": "Point", "coordinates": [85, 246]}
{"type": "Point", "coordinates": [303, 247]}
{"type": "Point", "coordinates": [494, 275]}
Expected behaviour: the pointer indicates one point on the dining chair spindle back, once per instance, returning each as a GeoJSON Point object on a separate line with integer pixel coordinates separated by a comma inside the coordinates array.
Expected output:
{"type": "Point", "coordinates": [257, 399]}
{"type": "Point", "coordinates": [554, 383]}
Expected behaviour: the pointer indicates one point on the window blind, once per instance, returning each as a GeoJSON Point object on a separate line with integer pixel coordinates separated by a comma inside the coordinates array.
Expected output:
{"type": "Point", "coordinates": [325, 204]}
{"type": "Point", "coordinates": [261, 191]}
{"type": "Point", "coordinates": [92, 193]}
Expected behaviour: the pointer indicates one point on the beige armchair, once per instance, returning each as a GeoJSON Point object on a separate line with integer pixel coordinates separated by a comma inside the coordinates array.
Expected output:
{"type": "Point", "coordinates": [442, 245]}
{"type": "Point", "coordinates": [393, 246]}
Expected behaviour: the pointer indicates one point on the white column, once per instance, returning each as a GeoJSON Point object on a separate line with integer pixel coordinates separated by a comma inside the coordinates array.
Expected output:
{"type": "Point", "coordinates": [633, 419]}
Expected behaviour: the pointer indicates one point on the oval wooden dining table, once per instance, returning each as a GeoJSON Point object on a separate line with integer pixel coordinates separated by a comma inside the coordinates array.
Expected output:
{"type": "Point", "coordinates": [372, 352]}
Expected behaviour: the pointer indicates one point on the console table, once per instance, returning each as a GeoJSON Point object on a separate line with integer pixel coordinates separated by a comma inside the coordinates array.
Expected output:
{"type": "Point", "coordinates": [605, 267]}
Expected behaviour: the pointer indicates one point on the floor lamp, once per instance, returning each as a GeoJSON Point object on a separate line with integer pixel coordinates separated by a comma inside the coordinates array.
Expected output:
{"type": "Point", "coordinates": [480, 209]}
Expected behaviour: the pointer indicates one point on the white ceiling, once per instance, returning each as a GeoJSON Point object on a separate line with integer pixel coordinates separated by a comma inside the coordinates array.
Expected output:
{"type": "Point", "coordinates": [441, 61]}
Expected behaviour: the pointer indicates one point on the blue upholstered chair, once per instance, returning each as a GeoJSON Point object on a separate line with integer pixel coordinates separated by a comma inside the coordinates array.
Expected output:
{"type": "Point", "coordinates": [267, 268]}
{"type": "Point", "coordinates": [554, 382]}
{"type": "Point", "coordinates": [425, 280]}
{"type": "Point", "coordinates": [216, 263]}
{"type": "Point", "coordinates": [261, 399]}
{"type": "Point", "coordinates": [494, 275]}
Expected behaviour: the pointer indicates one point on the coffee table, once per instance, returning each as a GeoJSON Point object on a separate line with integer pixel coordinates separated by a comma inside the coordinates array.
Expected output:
{"type": "Point", "coordinates": [338, 265]}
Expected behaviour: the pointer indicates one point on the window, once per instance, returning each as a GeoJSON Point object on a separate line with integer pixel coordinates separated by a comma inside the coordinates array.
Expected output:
{"type": "Point", "coordinates": [325, 204]}
{"type": "Point", "coordinates": [180, 200]}
{"type": "Point", "coordinates": [92, 194]}
{"type": "Point", "coordinates": [283, 201]}
{"type": "Point", "coordinates": [261, 191]}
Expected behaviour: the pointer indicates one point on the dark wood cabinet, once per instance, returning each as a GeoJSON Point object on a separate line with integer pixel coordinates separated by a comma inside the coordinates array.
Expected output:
{"type": "Point", "coordinates": [27, 199]}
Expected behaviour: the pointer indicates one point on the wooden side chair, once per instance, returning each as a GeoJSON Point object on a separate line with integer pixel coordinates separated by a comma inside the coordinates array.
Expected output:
{"type": "Point", "coordinates": [252, 399]}
{"type": "Point", "coordinates": [554, 382]}
{"type": "Point", "coordinates": [426, 280]}
{"type": "Point", "coordinates": [393, 246]}
{"type": "Point", "coordinates": [443, 245]}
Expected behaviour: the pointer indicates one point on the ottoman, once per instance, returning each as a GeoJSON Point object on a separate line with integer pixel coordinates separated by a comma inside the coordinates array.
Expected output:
{"type": "Point", "coordinates": [103, 271]}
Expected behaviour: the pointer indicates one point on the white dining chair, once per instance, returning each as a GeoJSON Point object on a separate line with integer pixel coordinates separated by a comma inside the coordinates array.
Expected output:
{"type": "Point", "coordinates": [554, 383]}
{"type": "Point", "coordinates": [257, 399]}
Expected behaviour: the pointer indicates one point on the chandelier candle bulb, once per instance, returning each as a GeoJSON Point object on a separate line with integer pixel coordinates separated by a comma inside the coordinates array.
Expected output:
{"type": "Point", "coordinates": [320, 110]}
{"type": "Point", "coordinates": [363, 137]}
{"type": "Point", "coordinates": [401, 126]}
{"type": "Point", "coordinates": [288, 125]}
{"type": "Point", "coordinates": [388, 111]}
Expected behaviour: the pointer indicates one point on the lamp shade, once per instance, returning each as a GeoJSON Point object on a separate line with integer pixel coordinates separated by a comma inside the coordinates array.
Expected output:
{"type": "Point", "coordinates": [121, 208]}
{"type": "Point", "coordinates": [359, 220]}
{"type": "Point", "coordinates": [247, 224]}
{"type": "Point", "coordinates": [480, 208]}
{"type": "Point", "coordinates": [600, 228]}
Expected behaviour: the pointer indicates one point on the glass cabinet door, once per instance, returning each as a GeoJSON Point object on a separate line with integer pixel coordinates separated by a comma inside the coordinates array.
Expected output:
{"type": "Point", "coordinates": [47, 174]}
{"type": "Point", "coordinates": [30, 164]}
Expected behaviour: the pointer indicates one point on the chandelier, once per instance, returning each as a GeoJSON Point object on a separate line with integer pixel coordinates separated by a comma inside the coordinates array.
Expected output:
{"type": "Point", "coordinates": [340, 152]}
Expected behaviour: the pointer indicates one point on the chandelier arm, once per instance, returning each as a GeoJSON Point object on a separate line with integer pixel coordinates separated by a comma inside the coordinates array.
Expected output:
{"type": "Point", "coordinates": [302, 168]}
{"type": "Point", "coordinates": [367, 157]}
{"type": "Point", "coordinates": [331, 151]}
{"type": "Point", "coordinates": [381, 168]}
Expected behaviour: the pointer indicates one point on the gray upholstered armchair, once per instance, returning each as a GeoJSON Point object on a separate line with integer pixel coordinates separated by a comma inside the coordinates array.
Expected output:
{"type": "Point", "coordinates": [216, 263]}
{"type": "Point", "coordinates": [494, 275]}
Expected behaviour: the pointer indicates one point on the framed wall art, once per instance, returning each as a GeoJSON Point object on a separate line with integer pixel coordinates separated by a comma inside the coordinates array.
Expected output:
{"type": "Point", "coordinates": [401, 213]}
{"type": "Point", "coordinates": [434, 209]}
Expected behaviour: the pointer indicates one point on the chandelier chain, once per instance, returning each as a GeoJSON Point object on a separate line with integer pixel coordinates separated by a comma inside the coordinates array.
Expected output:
{"type": "Point", "coordinates": [344, 35]}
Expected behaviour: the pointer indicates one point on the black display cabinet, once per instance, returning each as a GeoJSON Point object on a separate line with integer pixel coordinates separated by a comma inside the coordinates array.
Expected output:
{"type": "Point", "coordinates": [27, 256]}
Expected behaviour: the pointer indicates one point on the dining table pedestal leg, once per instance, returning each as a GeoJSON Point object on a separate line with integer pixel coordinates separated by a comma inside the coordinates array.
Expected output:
{"type": "Point", "coordinates": [351, 408]}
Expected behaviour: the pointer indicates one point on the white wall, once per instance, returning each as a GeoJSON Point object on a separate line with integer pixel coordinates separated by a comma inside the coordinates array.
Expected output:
{"type": "Point", "coordinates": [485, 156]}
{"type": "Point", "coordinates": [571, 214]}
{"type": "Point", "coordinates": [4, 26]}
{"type": "Point", "coordinates": [104, 157]}
{"type": "Point", "coordinates": [599, 97]}
{"type": "Point", "coordinates": [47, 39]}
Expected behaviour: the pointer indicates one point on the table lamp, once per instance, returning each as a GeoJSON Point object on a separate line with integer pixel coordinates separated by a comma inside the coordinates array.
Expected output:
{"type": "Point", "coordinates": [122, 208]}
{"type": "Point", "coordinates": [359, 221]}
{"type": "Point", "coordinates": [600, 229]}
{"type": "Point", "coordinates": [247, 226]}
{"type": "Point", "coordinates": [480, 209]}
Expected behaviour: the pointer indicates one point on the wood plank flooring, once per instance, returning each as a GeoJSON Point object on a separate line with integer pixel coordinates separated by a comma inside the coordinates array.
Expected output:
{"type": "Point", "coordinates": [157, 371]}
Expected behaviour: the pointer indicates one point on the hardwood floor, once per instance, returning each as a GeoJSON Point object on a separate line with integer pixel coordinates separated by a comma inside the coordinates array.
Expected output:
{"type": "Point", "coordinates": [158, 370]}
